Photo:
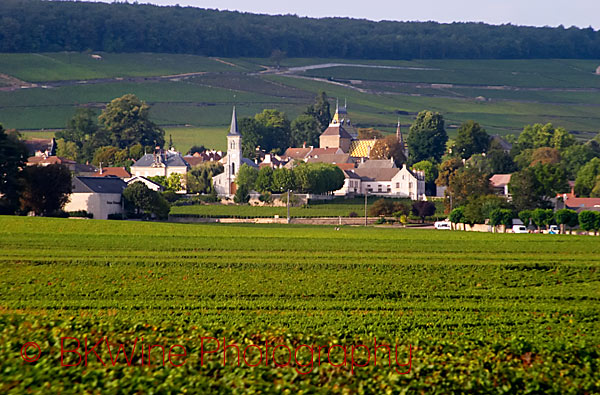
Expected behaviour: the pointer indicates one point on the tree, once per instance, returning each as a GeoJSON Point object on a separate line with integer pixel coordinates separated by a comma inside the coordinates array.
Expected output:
{"type": "Point", "coordinates": [82, 132]}
{"type": "Point", "coordinates": [67, 149]}
{"type": "Point", "coordinates": [196, 149]}
{"type": "Point", "coordinates": [596, 190]}
{"type": "Point", "coordinates": [431, 173]}
{"type": "Point", "coordinates": [277, 56]}
{"type": "Point", "coordinates": [276, 130]}
{"type": "Point", "coordinates": [542, 217]}
{"type": "Point", "coordinates": [427, 137]}
{"type": "Point", "coordinates": [305, 130]}
{"type": "Point", "coordinates": [457, 215]}
{"type": "Point", "coordinates": [13, 155]}
{"type": "Point", "coordinates": [589, 220]}
{"type": "Point", "coordinates": [318, 178]}
{"type": "Point", "coordinates": [566, 217]}
{"type": "Point", "coordinates": [252, 134]}
{"type": "Point", "coordinates": [142, 200]}
{"type": "Point", "coordinates": [533, 187]}
{"type": "Point", "coordinates": [246, 177]}
{"type": "Point", "coordinates": [200, 178]}
{"type": "Point", "coordinates": [369, 134]}
{"type": "Point", "coordinates": [586, 177]}
{"type": "Point", "coordinates": [283, 180]}
{"type": "Point", "coordinates": [388, 148]}
{"type": "Point", "coordinates": [423, 209]}
{"type": "Point", "coordinates": [467, 183]}
{"type": "Point", "coordinates": [126, 120]}
{"type": "Point", "coordinates": [576, 156]}
{"type": "Point", "coordinates": [46, 189]}
{"type": "Point", "coordinates": [264, 180]}
{"type": "Point", "coordinates": [538, 135]}
{"type": "Point", "coordinates": [471, 139]}
{"type": "Point", "coordinates": [320, 110]}
{"type": "Point", "coordinates": [525, 216]}
{"type": "Point", "coordinates": [241, 195]}
{"type": "Point", "coordinates": [171, 183]}
{"type": "Point", "coordinates": [478, 208]}
{"type": "Point", "coordinates": [447, 170]}
{"type": "Point", "coordinates": [386, 207]}
{"type": "Point", "coordinates": [545, 156]}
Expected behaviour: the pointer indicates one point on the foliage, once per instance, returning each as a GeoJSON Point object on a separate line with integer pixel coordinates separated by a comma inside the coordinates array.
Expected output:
{"type": "Point", "coordinates": [423, 209]}
{"type": "Point", "coordinates": [566, 217]}
{"type": "Point", "coordinates": [276, 130]}
{"type": "Point", "coordinates": [538, 135]}
{"type": "Point", "coordinates": [246, 177]}
{"type": "Point", "coordinates": [241, 195]}
{"type": "Point", "coordinates": [427, 137]}
{"type": "Point", "coordinates": [431, 173]}
{"type": "Point", "coordinates": [318, 178]}
{"type": "Point", "coordinates": [369, 134]}
{"type": "Point", "coordinates": [388, 148]}
{"type": "Point", "coordinates": [320, 111]}
{"type": "Point", "coordinates": [171, 183]}
{"type": "Point", "coordinates": [533, 187]}
{"type": "Point", "coordinates": [501, 216]}
{"type": "Point", "coordinates": [471, 139]}
{"type": "Point", "coordinates": [576, 156]}
{"type": "Point", "coordinates": [264, 180]}
{"type": "Point", "coordinates": [457, 215]}
{"type": "Point", "coordinates": [479, 208]}
{"type": "Point", "coordinates": [387, 207]}
{"type": "Point", "coordinates": [447, 170]}
{"type": "Point", "coordinates": [199, 179]}
{"type": "Point", "coordinates": [542, 217]}
{"type": "Point", "coordinates": [142, 200]}
{"type": "Point", "coordinates": [545, 156]}
{"type": "Point", "coordinates": [589, 220]}
{"type": "Point", "coordinates": [283, 180]}
{"type": "Point", "coordinates": [466, 184]}
{"type": "Point", "coordinates": [525, 216]}
{"type": "Point", "coordinates": [80, 137]}
{"type": "Point", "coordinates": [45, 189]}
{"type": "Point", "coordinates": [196, 149]}
{"type": "Point", "coordinates": [13, 155]}
{"type": "Point", "coordinates": [586, 177]}
{"type": "Point", "coordinates": [305, 130]}
{"type": "Point", "coordinates": [126, 122]}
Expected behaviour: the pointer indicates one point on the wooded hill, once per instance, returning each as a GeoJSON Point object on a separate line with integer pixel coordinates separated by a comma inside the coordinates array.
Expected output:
{"type": "Point", "coordinates": [45, 26]}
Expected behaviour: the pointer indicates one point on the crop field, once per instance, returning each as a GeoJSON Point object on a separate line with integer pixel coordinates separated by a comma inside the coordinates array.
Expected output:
{"type": "Point", "coordinates": [465, 312]}
{"type": "Point", "coordinates": [338, 207]}
{"type": "Point", "coordinates": [503, 95]}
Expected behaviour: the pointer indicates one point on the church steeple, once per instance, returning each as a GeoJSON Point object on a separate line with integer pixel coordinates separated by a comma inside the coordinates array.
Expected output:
{"type": "Point", "coordinates": [233, 129]}
{"type": "Point", "coordinates": [400, 139]}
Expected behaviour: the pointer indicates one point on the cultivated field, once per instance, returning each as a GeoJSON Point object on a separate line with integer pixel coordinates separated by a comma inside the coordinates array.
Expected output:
{"type": "Point", "coordinates": [503, 95]}
{"type": "Point", "coordinates": [482, 313]}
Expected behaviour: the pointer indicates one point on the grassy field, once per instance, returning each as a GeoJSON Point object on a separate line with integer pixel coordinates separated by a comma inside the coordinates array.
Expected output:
{"type": "Point", "coordinates": [564, 92]}
{"type": "Point", "coordinates": [335, 208]}
{"type": "Point", "coordinates": [469, 312]}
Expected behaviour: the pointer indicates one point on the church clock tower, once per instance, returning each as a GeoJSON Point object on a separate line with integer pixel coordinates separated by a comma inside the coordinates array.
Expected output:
{"type": "Point", "coordinates": [234, 153]}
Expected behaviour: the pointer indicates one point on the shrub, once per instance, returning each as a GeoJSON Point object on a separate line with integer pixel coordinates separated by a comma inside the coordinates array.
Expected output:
{"type": "Point", "coordinates": [80, 213]}
{"type": "Point", "coordinates": [116, 216]}
{"type": "Point", "coordinates": [352, 214]}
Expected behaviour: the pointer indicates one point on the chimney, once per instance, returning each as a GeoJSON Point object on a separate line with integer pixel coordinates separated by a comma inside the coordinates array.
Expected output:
{"type": "Point", "coordinates": [100, 168]}
{"type": "Point", "coordinates": [304, 144]}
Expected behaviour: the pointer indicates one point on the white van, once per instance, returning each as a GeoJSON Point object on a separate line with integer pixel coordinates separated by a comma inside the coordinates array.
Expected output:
{"type": "Point", "coordinates": [442, 225]}
{"type": "Point", "coordinates": [519, 229]}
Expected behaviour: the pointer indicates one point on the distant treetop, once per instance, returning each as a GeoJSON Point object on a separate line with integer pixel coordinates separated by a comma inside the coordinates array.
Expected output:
{"type": "Point", "coordinates": [50, 26]}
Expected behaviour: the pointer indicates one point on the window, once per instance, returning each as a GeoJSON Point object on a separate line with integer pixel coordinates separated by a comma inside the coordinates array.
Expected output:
{"type": "Point", "coordinates": [379, 188]}
{"type": "Point", "coordinates": [410, 185]}
{"type": "Point", "coordinates": [233, 168]}
{"type": "Point", "coordinates": [397, 185]}
{"type": "Point", "coordinates": [389, 188]}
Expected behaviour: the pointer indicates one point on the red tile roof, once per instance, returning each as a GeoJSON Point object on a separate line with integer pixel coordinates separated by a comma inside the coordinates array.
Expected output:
{"type": "Point", "coordinates": [51, 160]}
{"type": "Point", "coordinates": [120, 172]}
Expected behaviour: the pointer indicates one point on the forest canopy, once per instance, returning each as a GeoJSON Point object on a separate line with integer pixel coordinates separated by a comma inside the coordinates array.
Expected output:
{"type": "Point", "coordinates": [50, 26]}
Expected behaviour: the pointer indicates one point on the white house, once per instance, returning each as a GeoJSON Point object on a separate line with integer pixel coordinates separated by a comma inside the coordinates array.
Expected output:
{"type": "Point", "coordinates": [99, 196]}
{"type": "Point", "coordinates": [392, 182]}
{"type": "Point", "coordinates": [160, 163]}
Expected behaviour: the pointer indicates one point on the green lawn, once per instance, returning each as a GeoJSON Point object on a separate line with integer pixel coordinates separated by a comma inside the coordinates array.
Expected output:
{"type": "Point", "coordinates": [479, 312]}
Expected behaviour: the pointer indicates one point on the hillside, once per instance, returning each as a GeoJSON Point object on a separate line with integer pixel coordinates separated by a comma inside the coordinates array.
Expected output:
{"type": "Point", "coordinates": [191, 96]}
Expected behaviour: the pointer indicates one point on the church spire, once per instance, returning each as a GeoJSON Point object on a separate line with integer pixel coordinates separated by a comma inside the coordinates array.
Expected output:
{"type": "Point", "coordinates": [233, 129]}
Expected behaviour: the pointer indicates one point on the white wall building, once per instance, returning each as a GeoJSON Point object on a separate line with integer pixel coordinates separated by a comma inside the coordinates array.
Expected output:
{"type": "Point", "coordinates": [99, 196]}
{"type": "Point", "coordinates": [160, 163]}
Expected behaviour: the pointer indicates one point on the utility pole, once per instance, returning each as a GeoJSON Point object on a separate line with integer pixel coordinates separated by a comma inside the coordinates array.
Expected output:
{"type": "Point", "coordinates": [366, 192]}
{"type": "Point", "coordinates": [288, 206]}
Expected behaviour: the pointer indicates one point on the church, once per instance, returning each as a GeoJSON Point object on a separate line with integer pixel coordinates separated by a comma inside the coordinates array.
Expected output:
{"type": "Point", "coordinates": [224, 183]}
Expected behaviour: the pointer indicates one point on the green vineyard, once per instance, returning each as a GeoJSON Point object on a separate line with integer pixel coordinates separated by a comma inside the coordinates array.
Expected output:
{"type": "Point", "coordinates": [461, 311]}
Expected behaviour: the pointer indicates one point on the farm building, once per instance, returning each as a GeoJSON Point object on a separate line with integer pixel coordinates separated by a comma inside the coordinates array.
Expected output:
{"type": "Point", "coordinates": [100, 196]}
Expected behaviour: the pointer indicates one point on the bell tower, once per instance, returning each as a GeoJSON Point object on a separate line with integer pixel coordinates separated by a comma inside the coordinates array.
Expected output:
{"type": "Point", "coordinates": [234, 152]}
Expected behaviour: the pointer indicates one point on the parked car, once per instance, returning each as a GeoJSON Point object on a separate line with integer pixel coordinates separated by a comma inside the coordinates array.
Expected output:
{"type": "Point", "coordinates": [442, 225]}
{"type": "Point", "coordinates": [553, 230]}
{"type": "Point", "coordinates": [519, 229]}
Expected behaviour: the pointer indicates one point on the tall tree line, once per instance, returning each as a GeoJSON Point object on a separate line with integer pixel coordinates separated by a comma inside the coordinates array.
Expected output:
{"type": "Point", "coordinates": [46, 26]}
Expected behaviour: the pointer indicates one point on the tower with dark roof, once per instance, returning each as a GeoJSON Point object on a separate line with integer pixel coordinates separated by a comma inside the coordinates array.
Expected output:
{"type": "Point", "coordinates": [234, 149]}
{"type": "Point", "coordinates": [400, 138]}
